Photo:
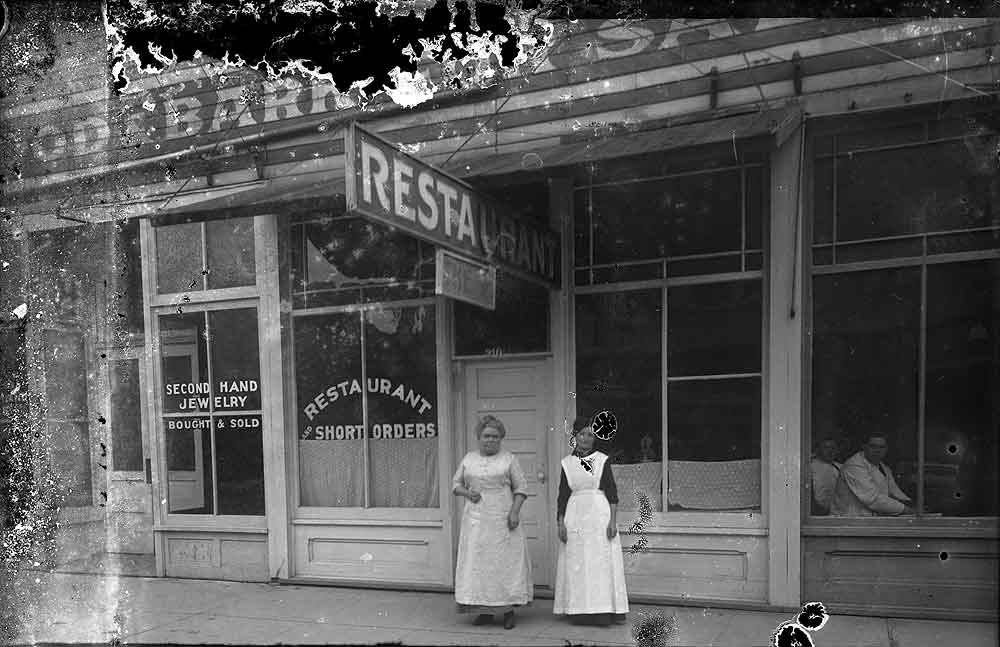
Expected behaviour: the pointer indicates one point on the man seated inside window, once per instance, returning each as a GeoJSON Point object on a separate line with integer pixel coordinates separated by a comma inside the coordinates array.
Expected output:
{"type": "Point", "coordinates": [866, 486]}
{"type": "Point", "coordinates": [825, 471]}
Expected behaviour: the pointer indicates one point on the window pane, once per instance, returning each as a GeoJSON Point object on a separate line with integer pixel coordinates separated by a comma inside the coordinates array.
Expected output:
{"type": "Point", "coordinates": [330, 422]}
{"type": "Point", "coordinates": [230, 253]}
{"type": "Point", "coordinates": [401, 377]}
{"type": "Point", "coordinates": [235, 359]}
{"type": "Point", "coordinates": [714, 328]}
{"type": "Point", "coordinates": [239, 452]}
{"type": "Point", "coordinates": [823, 201]}
{"type": "Point", "coordinates": [189, 465]}
{"type": "Point", "coordinates": [936, 187]}
{"type": "Point", "coordinates": [695, 214]}
{"type": "Point", "coordinates": [126, 417]}
{"type": "Point", "coordinates": [963, 388]}
{"type": "Point", "coordinates": [713, 431]}
{"type": "Point", "coordinates": [865, 363]}
{"type": "Point", "coordinates": [178, 258]}
{"type": "Point", "coordinates": [519, 324]}
{"type": "Point", "coordinates": [756, 207]}
{"type": "Point", "coordinates": [69, 462]}
{"type": "Point", "coordinates": [354, 255]}
{"type": "Point", "coordinates": [184, 362]}
{"type": "Point", "coordinates": [618, 368]}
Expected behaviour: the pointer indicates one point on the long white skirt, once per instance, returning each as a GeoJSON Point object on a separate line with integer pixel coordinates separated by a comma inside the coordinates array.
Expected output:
{"type": "Point", "coordinates": [494, 569]}
{"type": "Point", "coordinates": [590, 572]}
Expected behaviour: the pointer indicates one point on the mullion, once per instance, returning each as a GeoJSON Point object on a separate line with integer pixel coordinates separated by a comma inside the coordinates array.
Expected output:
{"type": "Point", "coordinates": [211, 413]}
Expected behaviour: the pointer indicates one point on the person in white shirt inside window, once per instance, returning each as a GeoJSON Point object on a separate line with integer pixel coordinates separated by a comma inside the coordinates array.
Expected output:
{"type": "Point", "coordinates": [866, 486]}
{"type": "Point", "coordinates": [825, 471]}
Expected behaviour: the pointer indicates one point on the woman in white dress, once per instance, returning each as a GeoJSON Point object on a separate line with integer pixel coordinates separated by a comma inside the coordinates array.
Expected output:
{"type": "Point", "coordinates": [590, 571]}
{"type": "Point", "coordinates": [493, 574]}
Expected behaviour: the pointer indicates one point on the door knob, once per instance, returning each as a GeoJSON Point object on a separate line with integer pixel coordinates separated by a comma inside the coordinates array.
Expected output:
{"type": "Point", "coordinates": [541, 477]}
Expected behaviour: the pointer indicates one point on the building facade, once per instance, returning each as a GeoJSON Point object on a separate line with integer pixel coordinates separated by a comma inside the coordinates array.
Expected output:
{"type": "Point", "coordinates": [772, 234]}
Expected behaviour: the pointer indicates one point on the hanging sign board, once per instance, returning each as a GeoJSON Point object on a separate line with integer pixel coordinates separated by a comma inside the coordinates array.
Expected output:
{"type": "Point", "coordinates": [465, 280]}
{"type": "Point", "coordinates": [397, 189]}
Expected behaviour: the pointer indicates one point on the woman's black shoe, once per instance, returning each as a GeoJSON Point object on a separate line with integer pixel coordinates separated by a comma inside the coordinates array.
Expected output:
{"type": "Point", "coordinates": [483, 619]}
{"type": "Point", "coordinates": [508, 620]}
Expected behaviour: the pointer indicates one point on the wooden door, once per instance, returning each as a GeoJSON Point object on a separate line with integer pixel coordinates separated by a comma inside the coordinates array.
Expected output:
{"type": "Point", "coordinates": [130, 491]}
{"type": "Point", "coordinates": [518, 393]}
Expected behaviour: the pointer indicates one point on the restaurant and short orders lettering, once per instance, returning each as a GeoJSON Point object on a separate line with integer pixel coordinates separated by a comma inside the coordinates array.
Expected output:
{"type": "Point", "coordinates": [384, 431]}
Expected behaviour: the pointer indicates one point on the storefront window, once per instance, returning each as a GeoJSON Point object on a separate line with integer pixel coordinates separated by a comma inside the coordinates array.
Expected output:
{"type": "Point", "coordinates": [366, 385]}
{"type": "Point", "coordinates": [631, 225]}
{"type": "Point", "coordinates": [210, 365]}
{"type": "Point", "coordinates": [658, 218]}
{"type": "Point", "coordinates": [339, 260]}
{"type": "Point", "coordinates": [909, 348]}
{"type": "Point", "coordinates": [208, 255]}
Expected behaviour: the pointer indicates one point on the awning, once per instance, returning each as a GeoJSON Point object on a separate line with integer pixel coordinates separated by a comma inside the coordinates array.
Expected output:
{"type": "Point", "coordinates": [653, 136]}
{"type": "Point", "coordinates": [321, 191]}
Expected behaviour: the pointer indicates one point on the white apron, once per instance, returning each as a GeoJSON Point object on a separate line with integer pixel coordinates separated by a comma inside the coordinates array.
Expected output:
{"type": "Point", "coordinates": [590, 571]}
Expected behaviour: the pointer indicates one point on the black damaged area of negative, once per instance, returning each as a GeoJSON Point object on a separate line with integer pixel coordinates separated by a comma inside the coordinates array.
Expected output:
{"type": "Point", "coordinates": [352, 43]}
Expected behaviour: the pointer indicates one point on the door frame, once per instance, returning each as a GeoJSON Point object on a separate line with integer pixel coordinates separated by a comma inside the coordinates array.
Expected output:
{"type": "Point", "coordinates": [545, 444]}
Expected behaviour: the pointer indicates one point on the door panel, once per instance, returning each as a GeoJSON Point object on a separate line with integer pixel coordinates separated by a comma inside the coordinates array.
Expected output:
{"type": "Point", "coordinates": [518, 394]}
{"type": "Point", "coordinates": [130, 497]}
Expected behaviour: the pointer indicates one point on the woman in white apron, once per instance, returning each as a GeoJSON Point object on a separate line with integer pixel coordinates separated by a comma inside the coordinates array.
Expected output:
{"type": "Point", "coordinates": [590, 572]}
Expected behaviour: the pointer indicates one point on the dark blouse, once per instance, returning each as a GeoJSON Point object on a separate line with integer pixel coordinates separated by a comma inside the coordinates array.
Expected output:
{"type": "Point", "coordinates": [607, 485]}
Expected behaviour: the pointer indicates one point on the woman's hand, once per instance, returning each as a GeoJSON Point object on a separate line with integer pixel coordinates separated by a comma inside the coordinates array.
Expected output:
{"type": "Point", "coordinates": [474, 496]}
{"type": "Point", "coordinates": [513, 519]}
{"type": "Point", "coordinates": [563, 535]}
{"type": "Point", "coordinates": [612, 530]}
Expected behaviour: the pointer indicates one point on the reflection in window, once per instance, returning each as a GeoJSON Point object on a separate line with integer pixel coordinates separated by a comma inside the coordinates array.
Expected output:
{"type": "Point", "coordinates": [619, 367]}
{"type": "Point", "coordinates": [196, 256]}
{"type": "Point", "coordinates": [384, 377]}
{"type": "Point", "coordinates": [344, 260]}
{"type": "Point", "coordinates": [210, 367]}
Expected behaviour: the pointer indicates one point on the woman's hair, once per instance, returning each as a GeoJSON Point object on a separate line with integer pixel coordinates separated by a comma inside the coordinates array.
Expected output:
{"type": "Point", "coordinates": [581, 423]}
{"type": "Point", "coordinates": [490, 421]}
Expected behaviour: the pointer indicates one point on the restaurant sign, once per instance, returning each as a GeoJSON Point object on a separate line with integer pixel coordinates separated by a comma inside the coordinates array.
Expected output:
{"type": "Point", "coordinates": [397, 189]}
{"type": "Point", "coordinates": [465, 280]}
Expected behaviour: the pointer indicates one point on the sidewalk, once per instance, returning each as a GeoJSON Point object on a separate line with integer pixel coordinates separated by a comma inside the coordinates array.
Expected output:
{"type": "Point", "coordinates": [136, 610]}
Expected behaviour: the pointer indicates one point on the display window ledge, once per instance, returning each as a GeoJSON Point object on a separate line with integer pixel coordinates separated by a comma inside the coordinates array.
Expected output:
{"type": "Point", "coordinates": [696, 522]}
{"type": "Point", "coordinates": [975, 527]}
{"type": "Point", "coordinates": [369, 516]}
{"type": "Point", "coordinates": [212, 523]}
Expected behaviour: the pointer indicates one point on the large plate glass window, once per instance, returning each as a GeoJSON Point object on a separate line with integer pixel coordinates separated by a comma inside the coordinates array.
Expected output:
{"type": "Point", "coordinates": [210, 374]}
{"type": "Point", "coordinates": [669, 311]}
{"type": "Point", "coordinates": [365, 353]}
{"type": "Point", "coordinates": [906, 316]}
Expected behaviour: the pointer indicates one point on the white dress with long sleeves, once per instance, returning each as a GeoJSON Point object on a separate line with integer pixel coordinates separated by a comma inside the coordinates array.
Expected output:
{"type": "Point", "coordinates": [494, 569]}
{"type": "Point", "coordinates": [590, 571]}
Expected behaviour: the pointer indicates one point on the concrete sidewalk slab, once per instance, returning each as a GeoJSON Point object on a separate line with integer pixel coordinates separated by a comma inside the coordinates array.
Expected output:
{"type": "Point", "coordinates": [145, 611]}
